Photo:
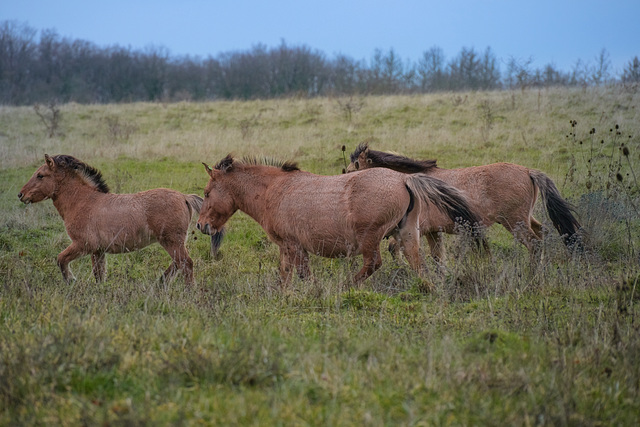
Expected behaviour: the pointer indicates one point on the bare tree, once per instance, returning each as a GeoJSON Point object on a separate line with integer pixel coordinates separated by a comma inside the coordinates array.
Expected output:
{"type": "Point", "coordinates": [519, 72]}
{"type": "Point", "coordinates": [17, 53]}
{"type": "Point", "coordinates": [579, 74]}
{"type": "Point", "coordinates": [489, 71]}
{"type": "Point", "coordinates": [465, 70]}
{"type": "Point", "coordinates": [431, 70]}
{"type": "Point", "coordinates": [631, 72]}
{"type": "Point", "coordinates": [600, 72]}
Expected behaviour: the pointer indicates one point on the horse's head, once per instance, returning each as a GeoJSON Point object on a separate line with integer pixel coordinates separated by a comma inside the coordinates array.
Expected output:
{"type": "Point", "coordinates": [218, 205]}
{"type": "Point", "coordinates": [43, 184]}
{"type": "Point", "coordinates": [359, 158]}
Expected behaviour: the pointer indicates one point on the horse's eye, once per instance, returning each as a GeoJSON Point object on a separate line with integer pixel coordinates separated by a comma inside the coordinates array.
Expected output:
{"type": "Point", "coordinates": [206, 195]}
{"type": "Point", "coordinates": [40, 176]}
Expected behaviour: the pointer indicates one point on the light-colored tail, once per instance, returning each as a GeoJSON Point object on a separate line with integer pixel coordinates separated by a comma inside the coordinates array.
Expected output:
{"type": "Point", "coordinates": [194, 202]}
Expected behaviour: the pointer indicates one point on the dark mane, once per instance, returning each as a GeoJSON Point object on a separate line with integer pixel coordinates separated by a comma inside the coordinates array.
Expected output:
{"type": "Point", "coordinates": [91, 175]}
{"type": "Point", "coordinates": [392, 161]}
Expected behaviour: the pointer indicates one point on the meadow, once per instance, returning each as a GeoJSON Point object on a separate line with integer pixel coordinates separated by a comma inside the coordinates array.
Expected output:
{"type": "Point", "coordinates": [494, 341]}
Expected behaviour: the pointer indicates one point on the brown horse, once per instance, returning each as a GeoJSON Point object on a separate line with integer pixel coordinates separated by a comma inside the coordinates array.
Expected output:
{"type": "Point", "coordinates": [99, 222]}
{"type": "Point", "coordinates": [329, 216]}
{"type": "Point", "coordinates": [501, 192]}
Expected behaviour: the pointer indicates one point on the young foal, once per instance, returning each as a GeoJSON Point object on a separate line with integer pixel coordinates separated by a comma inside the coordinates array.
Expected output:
{"type": "Point", "coordinates": [501, 192]}
{"type": "Point", "coordinates": [99, 222]}
{"type": "Point", "coordinates": [330, 216]}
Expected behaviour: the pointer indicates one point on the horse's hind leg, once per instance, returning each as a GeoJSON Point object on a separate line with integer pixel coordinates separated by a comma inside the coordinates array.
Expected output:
{"type": "Point", "coordinates": [436, 245]}
{"type": "Point", "coordinates": [394, 248]}
{"type": "Point", "coordinates": [410, 240]}
{"type": "Point", "coordinates": [99, 264]}
{"type": "Point", "coordinates": [371, 262]}
{"type": "Point", "coordinates": [181, 261]}
{"type": "Point", "coordinates": [523, 233]}
{"type": "Point", "coordinates": [536, 227]}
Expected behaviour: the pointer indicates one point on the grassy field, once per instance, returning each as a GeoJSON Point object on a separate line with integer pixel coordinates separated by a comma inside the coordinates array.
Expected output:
{"type": "Point", "coordinates": [498, 341]}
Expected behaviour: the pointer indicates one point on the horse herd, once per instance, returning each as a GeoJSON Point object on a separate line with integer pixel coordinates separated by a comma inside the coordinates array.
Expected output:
{"type": "Point", "coordinates": [382, 195]}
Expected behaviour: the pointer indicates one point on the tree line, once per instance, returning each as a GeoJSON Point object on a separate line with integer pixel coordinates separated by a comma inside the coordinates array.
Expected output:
{"type": "Point", "coordinates": [49, 67]}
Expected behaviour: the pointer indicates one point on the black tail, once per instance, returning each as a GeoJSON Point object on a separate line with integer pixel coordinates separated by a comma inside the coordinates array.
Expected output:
{"type": "Point", "coordinates": [560, 211]}
{"type": "Point", "coordinates": [216, 242]}
{"type": "Point", "coordinates": [450, 201]}
{"type": "Point", "coordinates": [194, 203]}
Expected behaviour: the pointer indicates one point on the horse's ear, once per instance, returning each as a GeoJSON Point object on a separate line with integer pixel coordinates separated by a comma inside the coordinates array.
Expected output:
{"type": "Point", "coordinates": [207, 168]}
{"type": "Point", "coordinates": [50, 162]}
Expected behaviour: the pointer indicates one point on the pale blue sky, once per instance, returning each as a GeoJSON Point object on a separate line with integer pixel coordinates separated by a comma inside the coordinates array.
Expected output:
{"type": "Point", "coordinates": [558, 32]}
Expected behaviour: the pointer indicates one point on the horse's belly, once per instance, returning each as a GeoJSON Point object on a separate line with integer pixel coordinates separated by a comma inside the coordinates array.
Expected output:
{"type": "Point", "coordinates": [129, 242]}
{"type": "Point", "coordinates": [333, 248]}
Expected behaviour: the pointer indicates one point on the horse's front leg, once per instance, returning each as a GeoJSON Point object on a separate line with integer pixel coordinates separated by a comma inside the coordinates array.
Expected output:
{"type": "Point", "coordinates": [293, 257]}
{"type": "Point", "coordinates": [99, 265]}
{"type": "Point", "coordinates": [286, 266]}
{"type": "Point", "coordinates": [65, 257]}
{"type": "Point", "coordinates": [301, 261]}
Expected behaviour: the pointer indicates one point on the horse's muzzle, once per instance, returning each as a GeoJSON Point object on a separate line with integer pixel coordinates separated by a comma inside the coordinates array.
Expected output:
{"type": "Point", "coordinates": [206, 229]}
{"type": "Point", "coordinates": [22, 198]}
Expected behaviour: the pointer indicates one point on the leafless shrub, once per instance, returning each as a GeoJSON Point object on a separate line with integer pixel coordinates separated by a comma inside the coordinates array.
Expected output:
{"type": "Point", "coordinates": [50, 117]}
{"type": "Point", "coordinates": [350, 107]}
{"type": "Point", "coordinates": [458, 100]}
{"type": "Point", "coordinates": [605, 166]}
{"type": "Point", "coordinates": [246, 125]}
{"type": "Point", "coordinates": [119, 130]}
{"type": "Point", "coordinates": [487, 118]}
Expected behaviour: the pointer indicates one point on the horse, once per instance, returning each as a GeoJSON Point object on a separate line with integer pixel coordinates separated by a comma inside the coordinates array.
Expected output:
{"type": "Point", "coordinates": [503, 193]}
{"type": "Point", "coordinates": [328, 216]}
{"type": "Point", "coordinates": [100, 222]}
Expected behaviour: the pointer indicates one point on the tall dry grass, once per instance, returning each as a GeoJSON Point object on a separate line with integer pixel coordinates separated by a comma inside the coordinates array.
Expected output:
{"type": "Point", "coordinates": [499, 340]}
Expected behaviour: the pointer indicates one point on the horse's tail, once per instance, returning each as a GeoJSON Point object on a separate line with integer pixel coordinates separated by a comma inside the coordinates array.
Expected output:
{"type": "Point", "coordinates": [194, 203]}
{"type": "Point", "coordinates": [449, 200]}
{"type": "Point", "coordinates": [560, 211]}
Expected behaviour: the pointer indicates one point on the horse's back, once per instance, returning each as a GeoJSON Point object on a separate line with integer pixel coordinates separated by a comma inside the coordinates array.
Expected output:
{"type": "Point", "coordinates": [494, 190]}
{"type": "Point", "coordinates": [167, 211]}
{"type": "Point", "coordinates": [131, 221]}
{"type": "Point", "coordinates": [328, 214]}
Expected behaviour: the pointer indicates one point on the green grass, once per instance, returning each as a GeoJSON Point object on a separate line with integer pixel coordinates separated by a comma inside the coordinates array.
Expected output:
{"type": "Point", "coordinates": [496, 341]}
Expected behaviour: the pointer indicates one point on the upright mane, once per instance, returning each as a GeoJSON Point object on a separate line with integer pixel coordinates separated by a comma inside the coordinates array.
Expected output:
{"type": "Point", "coordinates": [286, 166]}
{"type": "Point", "coordinates": [89, 174]}
{"type": "Point", "coordinates": [392, 161]}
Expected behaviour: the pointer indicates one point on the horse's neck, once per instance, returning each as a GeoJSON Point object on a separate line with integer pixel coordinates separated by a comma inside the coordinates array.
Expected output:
{"type": "Point", "coordinates": [71, 195]}
{"type": "Point", "coordinates": [250, 191]}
